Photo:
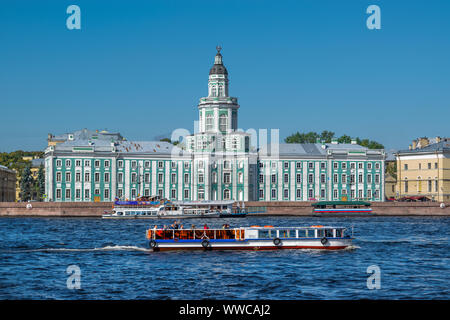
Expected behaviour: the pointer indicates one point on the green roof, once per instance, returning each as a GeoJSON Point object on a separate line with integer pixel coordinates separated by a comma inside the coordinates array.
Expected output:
{"type": "Point", "coordinates": [342, 203]}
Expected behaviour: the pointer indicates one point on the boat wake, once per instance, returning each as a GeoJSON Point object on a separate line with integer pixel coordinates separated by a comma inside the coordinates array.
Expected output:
{"type": "Point", "coordinates": [352, 247]}
{"type": "Point", "coordinates": [105, 248]}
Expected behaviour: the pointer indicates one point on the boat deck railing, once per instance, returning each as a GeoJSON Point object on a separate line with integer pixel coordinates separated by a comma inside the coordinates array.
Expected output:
{"type": "Point", "coordinates": [195, 234]}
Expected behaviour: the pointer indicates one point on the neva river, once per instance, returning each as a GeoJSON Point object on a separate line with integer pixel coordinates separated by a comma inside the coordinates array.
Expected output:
{"type": "Point", "coordinates": [115, 262]}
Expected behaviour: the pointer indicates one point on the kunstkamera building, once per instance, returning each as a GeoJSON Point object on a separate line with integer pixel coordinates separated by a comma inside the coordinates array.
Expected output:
{"type": "Point", "coordinates": [218, 162]}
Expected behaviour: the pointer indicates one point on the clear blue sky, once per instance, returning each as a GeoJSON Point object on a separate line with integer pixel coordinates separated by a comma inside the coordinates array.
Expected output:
{"type": "Point", "coordinates": [139, 67]}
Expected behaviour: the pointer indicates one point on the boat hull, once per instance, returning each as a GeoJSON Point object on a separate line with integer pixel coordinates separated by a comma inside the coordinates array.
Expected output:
{"type": "Point", "coordinates": [184, 216]}
{"type": "Point", "coordinates": [331, 244]}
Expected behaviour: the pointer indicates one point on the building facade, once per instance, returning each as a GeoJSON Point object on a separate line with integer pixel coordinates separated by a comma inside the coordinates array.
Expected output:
{"type": "Point", "coordinates": [218, 162]}
{"type": "Point", "coordinates": [7, 184]}
{"type": "Point", "coordinates": [424, 169]}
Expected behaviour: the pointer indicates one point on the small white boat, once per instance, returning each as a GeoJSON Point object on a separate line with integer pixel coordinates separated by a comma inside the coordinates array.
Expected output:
{"type": "Point", "coordinates": [250, 238]}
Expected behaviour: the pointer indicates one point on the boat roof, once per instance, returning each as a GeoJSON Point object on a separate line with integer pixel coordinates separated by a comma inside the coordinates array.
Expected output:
{"type": "Point", "coordinates": [281, 227]}
{"type": "Point", "coordinates": [342, 203]}
{"type": "Point", "coordinates": [196, 203]}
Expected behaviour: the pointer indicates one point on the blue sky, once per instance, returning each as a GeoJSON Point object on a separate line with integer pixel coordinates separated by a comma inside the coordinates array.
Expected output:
{"type": "Point", "coordinates": [139, 67]}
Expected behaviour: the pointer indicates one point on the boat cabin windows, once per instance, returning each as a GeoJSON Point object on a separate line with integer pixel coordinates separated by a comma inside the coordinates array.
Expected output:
{"type": "Point", "coordinates": [288, 233]}
{"type": "Point", "coordinates": [338, 233]}
{"type": "Point", "coordinates": [267, 234]}
{"type": "Point", "coordinates": [329, 233]}
{"type": "Point", "coordinates": [320, 233]}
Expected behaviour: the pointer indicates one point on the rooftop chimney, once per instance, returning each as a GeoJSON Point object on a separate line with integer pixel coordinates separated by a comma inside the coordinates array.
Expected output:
{"type": "Point", "coordinates": [423, 142]}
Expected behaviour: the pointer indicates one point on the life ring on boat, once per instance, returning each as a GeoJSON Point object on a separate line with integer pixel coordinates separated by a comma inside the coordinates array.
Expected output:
{"type": "Point", "coordinates": [153, 244]}
{"type": "Point", "coordinates": [205, 244]}
{"type": "Point", "coordinates": [277, 242]}
{"type": "Point", "coordinates": [324, 240]}
{"type": "Point", "coordinates": [442, 205]}
{"type": "Point", "coordinates": [29, 206]}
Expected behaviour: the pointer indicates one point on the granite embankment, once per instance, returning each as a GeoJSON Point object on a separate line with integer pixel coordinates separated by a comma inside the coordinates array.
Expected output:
{"type": "Point", "coordinates": [96, 209]}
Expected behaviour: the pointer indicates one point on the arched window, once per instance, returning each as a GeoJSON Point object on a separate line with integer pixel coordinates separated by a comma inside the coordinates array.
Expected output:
{"type": "Point", "coordinates": [209, 122]}
{"type": "Point", "coordinates": [223, 122]}
{"type": "Point", "coordinates": [226, 194]}
{"type": "Point", "coordinates": [240, 177]}
{"type": "Point", "coordinates": [213, 91]}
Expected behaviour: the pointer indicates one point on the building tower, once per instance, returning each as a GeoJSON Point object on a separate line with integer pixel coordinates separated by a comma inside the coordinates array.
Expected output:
{"type": "Point", "coordinates": [218, 111]}
{"type": "Point", "coordinates": [220, 152]}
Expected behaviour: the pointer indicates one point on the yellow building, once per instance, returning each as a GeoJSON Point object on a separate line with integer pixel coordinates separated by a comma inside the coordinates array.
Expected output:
{"type": "Point", "coordinates": [424, 169]}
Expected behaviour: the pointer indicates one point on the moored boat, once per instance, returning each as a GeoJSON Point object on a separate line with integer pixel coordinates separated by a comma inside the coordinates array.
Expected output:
{"type": "Point", "coordinates": [342, 208]}
{"type": "Point", "coordinates": [162, 208]}
{"type": "Point", "coordinates": [250, 238]}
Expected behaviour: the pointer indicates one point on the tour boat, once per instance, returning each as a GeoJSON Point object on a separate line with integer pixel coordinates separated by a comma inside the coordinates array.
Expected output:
{"type": "Point", "coordinates": [163, 208]}
{"type": "Point", "coordinates": [342, 208]}
{"type": "Point", "coordinates": [250, 238]}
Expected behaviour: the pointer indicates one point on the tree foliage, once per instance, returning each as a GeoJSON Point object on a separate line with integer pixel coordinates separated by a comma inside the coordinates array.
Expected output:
{"type": "Point", "coordinates": [327, 137]}
{"type": "Point", "coordinates": [40, 183]}
{"type": "Point", "coordinates": [14, 160]}
{"type": "Point", "coordinates": [26, 184]}
{"type": "Point", "coordinates": [31, 189]}
{"type": "Point", "coordinates": [391, 169]}
{"type": "Point", "coordinates": [170, 141]}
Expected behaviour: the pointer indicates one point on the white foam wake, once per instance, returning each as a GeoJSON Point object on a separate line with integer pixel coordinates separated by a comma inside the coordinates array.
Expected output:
{"type": "Point", "coordinates": [106, 248]}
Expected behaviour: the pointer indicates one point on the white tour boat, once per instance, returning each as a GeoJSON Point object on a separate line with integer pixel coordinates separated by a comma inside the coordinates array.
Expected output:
{"type": "Point", "coordinates": [162, 208]}
{"type": "Point", "coordinates": [250, 238]}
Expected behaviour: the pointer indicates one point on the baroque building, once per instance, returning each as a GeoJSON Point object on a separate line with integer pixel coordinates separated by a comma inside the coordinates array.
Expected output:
{"type": "Point", "coordinates": [217, 162]}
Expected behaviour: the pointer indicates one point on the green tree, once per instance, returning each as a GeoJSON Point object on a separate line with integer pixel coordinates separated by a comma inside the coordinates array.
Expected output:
{"type": "Point", "coordinates": [170, 141]}
{"type": "Point", "coordinates": [310, 137]}
{"type": "Point", "coordinates": [345, 139]}
{"type": "Point", "coordinates": [327, 136]}
{"type": "Point", "coordinates": [26, 184]}
{"type": "Point", "coordinates": [391, 169]}
{"type": "Point", "coordinates": [40, 182]}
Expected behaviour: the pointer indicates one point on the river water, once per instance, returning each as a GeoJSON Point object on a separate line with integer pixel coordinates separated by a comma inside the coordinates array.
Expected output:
{"type": "Point", "coordinates": [412, 254]}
